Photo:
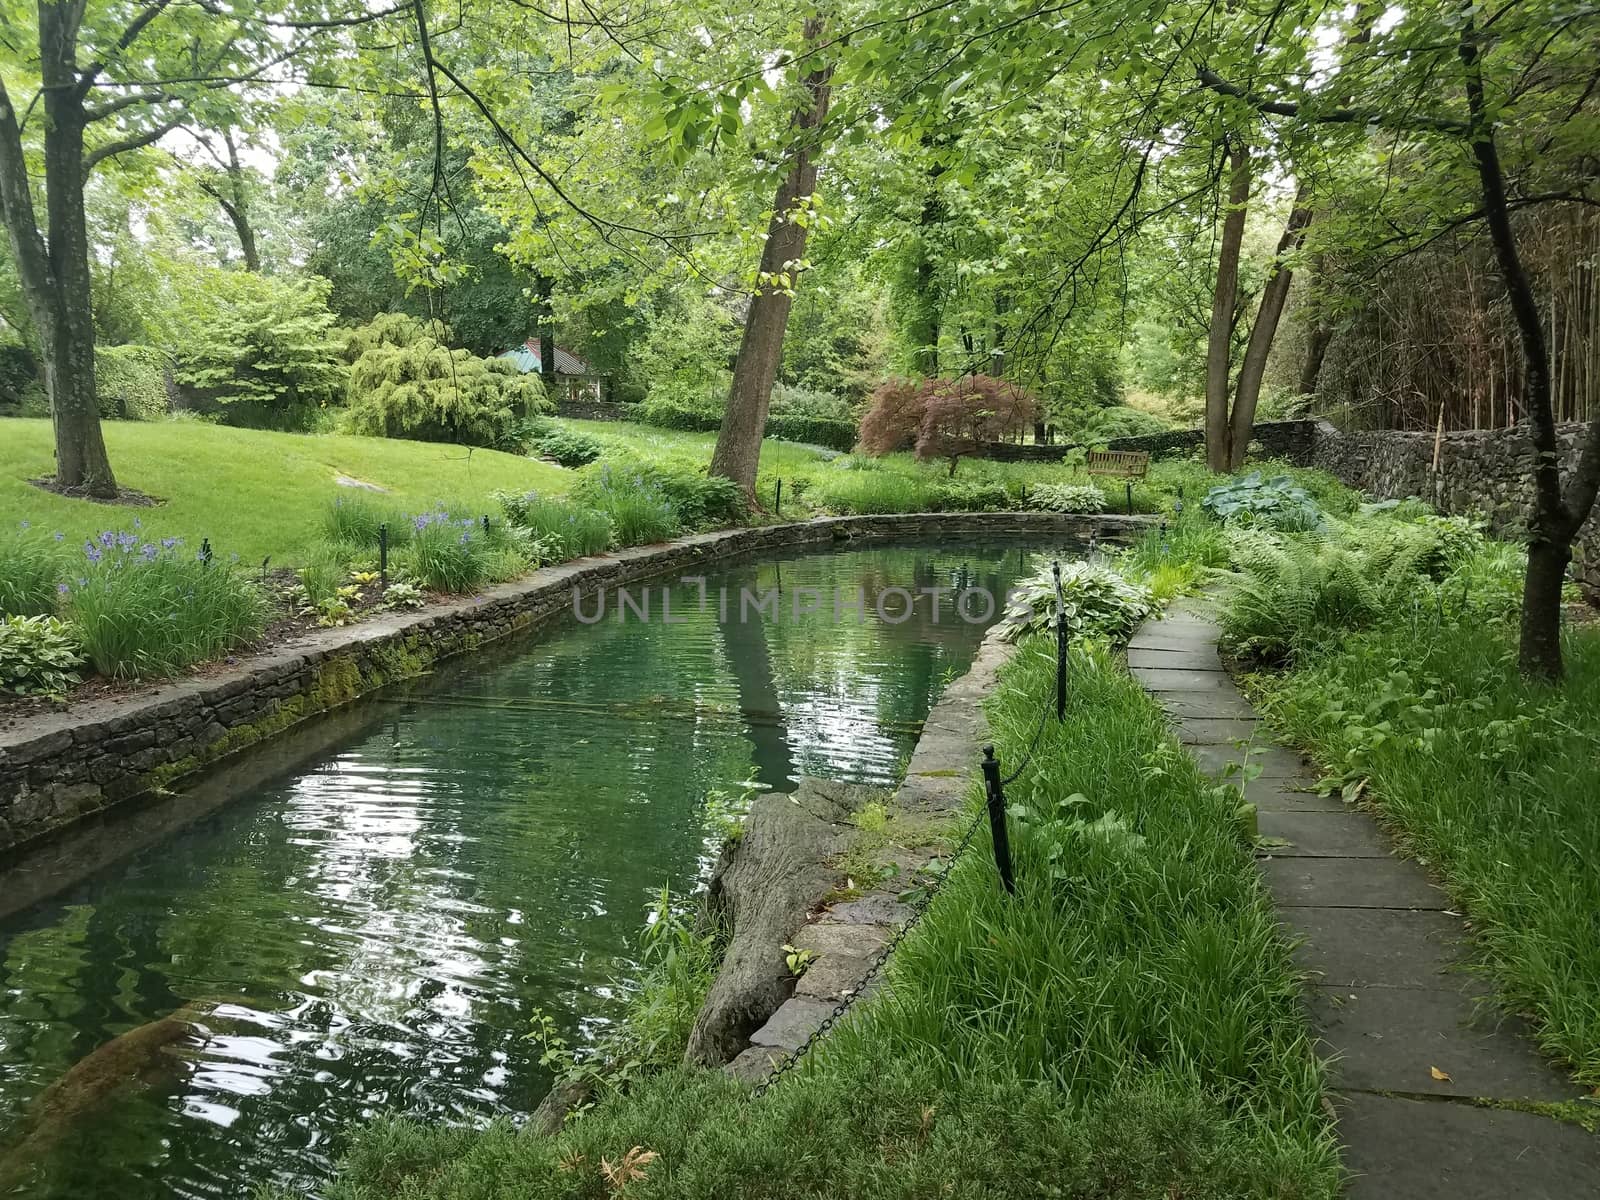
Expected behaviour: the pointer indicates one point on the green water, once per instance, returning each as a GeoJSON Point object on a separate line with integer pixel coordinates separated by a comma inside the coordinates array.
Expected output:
{"type": "Point", "coordinates": [371, 925]}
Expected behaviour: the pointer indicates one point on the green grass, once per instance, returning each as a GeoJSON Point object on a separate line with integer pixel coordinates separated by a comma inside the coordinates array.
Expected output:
{"type": "Point", "coordinates": [253, 493]}
{"type": "Point", "coordinates": [1491, 780]}
{"type": "Point", "coordinates": [1126, 1026]}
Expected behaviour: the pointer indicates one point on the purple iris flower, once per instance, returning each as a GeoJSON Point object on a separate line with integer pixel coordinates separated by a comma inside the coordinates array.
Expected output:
{"type": "Point", "coordinates": [93, 552]}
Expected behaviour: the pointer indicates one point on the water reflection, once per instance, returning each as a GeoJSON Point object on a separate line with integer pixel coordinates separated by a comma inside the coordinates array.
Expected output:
{"type": "Point", "coordinates": [372, 929]}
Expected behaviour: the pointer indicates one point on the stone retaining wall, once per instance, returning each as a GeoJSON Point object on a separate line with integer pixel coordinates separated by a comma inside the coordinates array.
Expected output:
{"type": "Point", "coordinates": [1485, 471]}
{"type": "Point", "coordinates": [58, 767]}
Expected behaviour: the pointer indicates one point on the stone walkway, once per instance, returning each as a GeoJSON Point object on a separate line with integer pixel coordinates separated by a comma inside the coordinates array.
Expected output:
{"type": "Point", "coordinates": [1419, 1055]}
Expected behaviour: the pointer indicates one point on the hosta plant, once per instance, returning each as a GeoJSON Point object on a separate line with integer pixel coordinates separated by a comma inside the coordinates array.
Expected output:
{"type": "Point", "coordinates": [39, 656]}
{"type": "Point", "coordinates": [1099, 603]}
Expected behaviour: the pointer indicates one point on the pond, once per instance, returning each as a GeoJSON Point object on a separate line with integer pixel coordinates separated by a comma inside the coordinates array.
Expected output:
{"type": "Point", "coordinates": [371, 928]}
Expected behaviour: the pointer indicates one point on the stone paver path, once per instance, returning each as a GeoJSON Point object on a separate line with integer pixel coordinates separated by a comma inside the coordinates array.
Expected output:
{"type": "Point", "coordinates": [1416, 1048]}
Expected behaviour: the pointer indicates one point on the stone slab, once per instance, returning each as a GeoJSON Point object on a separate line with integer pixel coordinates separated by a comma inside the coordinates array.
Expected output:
{"type": "Point", "coordinates": [1212, 705]}
{"type": "Point", "coordinates": [1350, 883]}
{"type": "Point", "coordinates": [1180, 679]}
{"type": "Point", "coordinates": [833, 977]}
{"type": "Point", "coordinates": [796, 1020]}
{"type": "Point", "coordinates": [755, 1063]}
{"type": "Point", "coordinates": [1282, 795]}
{"type": "Point", "coordinates": [1152, 638]}
{"type": "Point", "coordinates": [1323, 834]}
{"type": "Point", "coordinates": [1274, 762]}
{"type": "Point", "coordinates": [1185, 659]}
{"type": "Point", "coordinates": [875, 908]}
{"type": "Point", "coordinates": [1399, 1149]}
{"type": "Point", "coordinates": [833, 937]}
{"type": "Point", "coordinates": [1193, 731]}
{"type": "Point", "coordinates": [1395, 1039]}
{"type": "Point", "coordinates": [1391, 947]}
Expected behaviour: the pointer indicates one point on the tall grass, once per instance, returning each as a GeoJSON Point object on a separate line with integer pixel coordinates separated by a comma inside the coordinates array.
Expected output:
{"type": "Point", "coordinates": [32, 564]}
{"type": "Point", "coordinates": [146, 609]}
{"type": "Point", "coordinates": [870, 492]}
{"type": "Point", "coordinates": [1491, 779]}
{"type": "Point", "coordinates": [354, 521]}
{"type": "Point", "coordinates": [567, 529]}
{"type": "Point", "coordinates": [639, 511]}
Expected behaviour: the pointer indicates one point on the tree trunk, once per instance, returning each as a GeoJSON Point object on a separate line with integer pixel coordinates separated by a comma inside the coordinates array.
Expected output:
{"type": "Point", "coordinates": [738, 452]}
{"type": "Point", "coordinates": [55, 276]}
{"type": "Point", "coordinates": [1317, 343]}
{"type": "Point", "coordinates": [67, 326]}
{"type": "Point", "coordinates": [1273, 297]}
{"type": "Point", "coordinates": [1219, 339]}
{"type": "Point", "coordinates": [1556, 518]}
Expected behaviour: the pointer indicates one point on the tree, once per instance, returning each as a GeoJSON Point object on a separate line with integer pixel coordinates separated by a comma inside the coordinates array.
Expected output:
{"type": "Point", "coordinates": [112, 77]}
{"type": "Point", "coordinates": [945, 418]}
{"type": "Point", "coordinates": [738, 449]}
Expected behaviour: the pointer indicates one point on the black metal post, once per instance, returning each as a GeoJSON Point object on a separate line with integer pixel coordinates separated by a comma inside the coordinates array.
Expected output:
{"type": "Point", "coordinates": [777, 500]}
{"type": "Point", "coordinates": [994, 790]}
{"type": "Point", "coordinates": [205, 551]}
{"type": "Point", "coordinates": [1129, 486]}
{"type": "Point", "coordinates": [1177, 506]}
{"type": "Point", "coordinates": [383, 554]}
{"type": "Point", "coordinates": [1061, 647]}
{"type": "Point", "coordinates": [486, 522]}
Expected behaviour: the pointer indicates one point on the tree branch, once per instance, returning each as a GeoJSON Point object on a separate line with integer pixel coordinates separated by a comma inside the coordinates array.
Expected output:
{"type": "Point", "coordinates": [132, 142]}
{"type": "Point", "coordinates": [1411, 122]}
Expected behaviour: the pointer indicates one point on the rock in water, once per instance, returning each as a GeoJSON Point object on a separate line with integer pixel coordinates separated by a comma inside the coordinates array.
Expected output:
{"type": "Point", "coordinates": [765, 885]}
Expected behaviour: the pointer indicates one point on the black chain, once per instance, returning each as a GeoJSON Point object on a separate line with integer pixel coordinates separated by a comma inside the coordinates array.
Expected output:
{"type": "Point", "coordinates": [1044, 718]}
{"type": "Point", "coordinates": [917, 911]}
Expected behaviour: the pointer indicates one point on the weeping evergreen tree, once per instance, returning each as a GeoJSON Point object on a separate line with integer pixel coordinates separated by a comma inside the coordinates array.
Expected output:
{"type": "Point", "coordinates": [405, 382]}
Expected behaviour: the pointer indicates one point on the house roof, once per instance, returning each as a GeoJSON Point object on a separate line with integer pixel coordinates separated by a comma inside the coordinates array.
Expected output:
{"type": "Point", "coordinates": [526, 359]}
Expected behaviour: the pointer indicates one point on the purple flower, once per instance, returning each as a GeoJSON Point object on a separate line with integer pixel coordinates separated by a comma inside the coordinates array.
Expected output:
{"type": "Point", "coordinates": [465, 537]}
{"type": "Point", "coordinates": [94, 554]}
{"type": "Point", "coordinates": [82, 582]}
{"type": "Point", "coordinates": [127, 541]}
{"type": "Point", "coordinates": [169, 542]}
{"type": "Point", "coordinates": [59, 535]}
{"type": "Point", "coordinates": [148, 552]}
{"type": "Point", "coordinates": [107, 538]}
{"type": "Point", "coordinates": [25, 524]}
{"type": "Point", "coordinates": [62, 589]}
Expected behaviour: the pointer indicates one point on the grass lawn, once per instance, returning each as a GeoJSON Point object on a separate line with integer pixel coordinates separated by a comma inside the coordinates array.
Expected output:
{"type": "Point", "coordinates": [252, 492]}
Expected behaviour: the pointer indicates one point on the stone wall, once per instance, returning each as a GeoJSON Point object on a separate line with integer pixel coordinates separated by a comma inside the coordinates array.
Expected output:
{"type": "Point", "coordinates": [1292, 440]}
{"type": "Point", "coordinates": [1485, 471]}
{"type": "Point", "coordinates": [58, 767]}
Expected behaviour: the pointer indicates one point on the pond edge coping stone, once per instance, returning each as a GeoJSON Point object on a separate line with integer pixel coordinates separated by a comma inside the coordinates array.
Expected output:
{"type": "Point", "coordinates": [59, 767]}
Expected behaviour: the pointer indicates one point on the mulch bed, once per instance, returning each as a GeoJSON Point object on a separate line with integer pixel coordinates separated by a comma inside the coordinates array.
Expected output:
{"type": "Point", "coordinates": [126, 497]}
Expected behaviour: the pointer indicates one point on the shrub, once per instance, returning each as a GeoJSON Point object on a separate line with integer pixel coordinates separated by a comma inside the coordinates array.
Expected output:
{"type": "Point", "coordinates": [1067, 497]}
{"type": "Point", "coordinates": [638, 509]}
{"type": "Point", "coordinates": [667, 414]}
{"type": "Point", "coordinates": [31, 565]}
{"type": "Point", "coordinates": [131, 381]}
{"type": "Point", "coordinates": [144, 609]}
{"type": "Point", "coordinates": [1275, 503]}
{"type": "Point", "coordinates": [701, 500]}
{"type": "Point", "coordinates": [424, 391]}
{"type": "Point", "coordinates": [19, 373]}
{"type": "Point", "coordinates": [39, 656]}
{"type": "Point", "coordinates": [569, 448]}
{"type": "Point", "coordinates": [1099, 603]}
{"type": "Point", "coordinates": [969, 495]}
{"type": "Point", "coordinates": [1120, 421]}
{"type": "Point", "coordinates": [834, 433]}
{"type": "Point", "coordinates": [263, 347]}
{"type": "Point", "coordinates": [567, 530]}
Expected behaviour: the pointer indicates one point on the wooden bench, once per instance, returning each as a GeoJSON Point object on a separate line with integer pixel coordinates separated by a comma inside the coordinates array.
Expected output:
{"type": "Point", "coordinates": [1121, 464]}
